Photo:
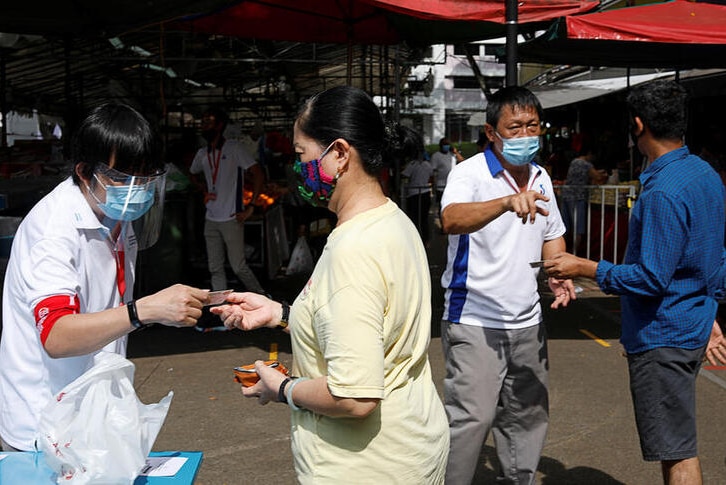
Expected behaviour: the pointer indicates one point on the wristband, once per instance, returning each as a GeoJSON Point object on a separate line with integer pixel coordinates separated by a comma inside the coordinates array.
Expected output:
{"type": "Point", "coordinates": [281, 392]}
{"type": "Point", "coordinates": [290, 401]}
{"type": "Point", "coordinates": [285, 316]}
{"type": "Point", "coordinates": [133, 315]}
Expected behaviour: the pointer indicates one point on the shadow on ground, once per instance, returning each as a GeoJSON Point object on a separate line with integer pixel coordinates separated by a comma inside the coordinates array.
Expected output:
{"type": "Point", "coordinates": [553, 472]}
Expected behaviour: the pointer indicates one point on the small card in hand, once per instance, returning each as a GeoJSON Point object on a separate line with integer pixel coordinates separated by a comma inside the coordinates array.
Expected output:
{"type": "Point", "coordinates": [217, 297]}
{"type": "Point", "coordinates": [537, 264]}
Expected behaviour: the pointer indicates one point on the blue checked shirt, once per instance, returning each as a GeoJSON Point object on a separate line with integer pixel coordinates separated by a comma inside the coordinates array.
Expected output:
{"type": "Point", "coordinates": [673, 272]}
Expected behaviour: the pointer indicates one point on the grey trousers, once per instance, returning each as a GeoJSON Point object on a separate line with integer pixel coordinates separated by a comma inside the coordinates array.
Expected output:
{"type": "Point", "coordinates": [228, 238]}
{"type": "Point", "coordinates": [495, 380]}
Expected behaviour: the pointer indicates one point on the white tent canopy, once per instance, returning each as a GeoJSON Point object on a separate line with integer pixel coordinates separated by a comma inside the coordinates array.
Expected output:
{"type": "Point", "coordinates": [564, 93]}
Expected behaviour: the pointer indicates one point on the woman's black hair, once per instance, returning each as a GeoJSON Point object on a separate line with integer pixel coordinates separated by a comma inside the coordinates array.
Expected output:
{"type": "Point", "coordinates": [115, 133]}
{"type": "Point", "coordinates": [348, 113]}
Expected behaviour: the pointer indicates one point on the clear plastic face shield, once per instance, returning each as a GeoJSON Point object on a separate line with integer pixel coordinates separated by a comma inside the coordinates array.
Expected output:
{"type": "Point", "coordinates": [135, 201]}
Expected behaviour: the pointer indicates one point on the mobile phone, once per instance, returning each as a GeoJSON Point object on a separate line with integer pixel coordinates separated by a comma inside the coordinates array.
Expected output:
{"type": "Point", "coordinates": [217, 297]}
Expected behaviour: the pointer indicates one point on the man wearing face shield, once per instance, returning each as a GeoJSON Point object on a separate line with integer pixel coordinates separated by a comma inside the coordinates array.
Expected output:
{"type": "Point", "coordinates": [500, 213]}
{"type": "Point", "coordinates": [69, 283]}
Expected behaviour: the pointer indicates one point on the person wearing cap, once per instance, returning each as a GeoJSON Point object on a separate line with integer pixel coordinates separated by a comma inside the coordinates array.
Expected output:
{"type": "Point", "coordinates": [69, 283]}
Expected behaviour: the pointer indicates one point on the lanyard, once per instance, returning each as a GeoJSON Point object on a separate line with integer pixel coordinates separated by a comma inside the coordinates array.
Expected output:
{"type": "Point", "coordinates": [214, 166]}
{"type": "Point", "coordinates": [120, 272]}
{"type": "Point", "coordinates": [514, 186]}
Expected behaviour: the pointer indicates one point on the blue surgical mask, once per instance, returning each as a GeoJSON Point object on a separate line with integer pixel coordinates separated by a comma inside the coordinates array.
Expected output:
{"type": "Point", "coordinates": [521, 150]}
{"type": "Point", "coordinates": [126, 202]}
{"type": "Point", "coordinates": [446, 148]}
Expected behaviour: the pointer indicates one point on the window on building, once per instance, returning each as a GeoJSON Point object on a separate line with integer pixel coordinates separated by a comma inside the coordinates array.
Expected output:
{"type": "Point", "coordinates": [492, 50]}
{"type": "Point", "coordinates": [460, 49]}
{"type": "Point", "coordinates": [470, 82]}
{"type": "Point", "coordinates": [465, 82]}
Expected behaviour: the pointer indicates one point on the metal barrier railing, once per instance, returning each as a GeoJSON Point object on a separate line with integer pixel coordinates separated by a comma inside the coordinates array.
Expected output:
{"type": "Point", "coordinates": [610, 200]}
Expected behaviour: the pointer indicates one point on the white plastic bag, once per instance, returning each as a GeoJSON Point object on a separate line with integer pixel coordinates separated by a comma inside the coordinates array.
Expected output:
{"type": "Point", "coordinates": [301, 260]}
{"type": "Point", "coordinates": [96, 430]}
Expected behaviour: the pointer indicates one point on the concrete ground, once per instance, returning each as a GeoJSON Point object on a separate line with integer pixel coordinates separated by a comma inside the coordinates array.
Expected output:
{"type": "Point", "coordinates": [592, 437]}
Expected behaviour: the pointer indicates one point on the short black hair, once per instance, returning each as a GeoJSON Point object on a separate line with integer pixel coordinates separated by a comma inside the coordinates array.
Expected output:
{"type": "Point", "coordinates": [514, 96]}
{"type": "Point", "coordinates": [118, 135]}
{"type": "Point", "coordinates": [662, 106]}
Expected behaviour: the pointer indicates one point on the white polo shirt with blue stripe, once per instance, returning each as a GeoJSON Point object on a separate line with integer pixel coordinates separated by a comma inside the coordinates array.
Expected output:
{"type": "Point", "coordinates": [488, 279]}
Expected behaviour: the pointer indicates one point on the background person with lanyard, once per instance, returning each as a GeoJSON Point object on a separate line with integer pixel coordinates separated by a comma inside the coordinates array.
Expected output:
{"type": "Point", "coordinates": [225, 163]}
{"type": "Point", "coordinates": [70, 277]}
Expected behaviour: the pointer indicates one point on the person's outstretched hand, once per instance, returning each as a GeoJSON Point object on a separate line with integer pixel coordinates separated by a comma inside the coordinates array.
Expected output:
{"type": "Point", "coordinates": [524, 204]}
{"type": "Point", "coordinates": [248, 311]}
{"type": "Point", "coordinates": [564, 291]}
{"type": "Point", "coordinates": [175, 306]}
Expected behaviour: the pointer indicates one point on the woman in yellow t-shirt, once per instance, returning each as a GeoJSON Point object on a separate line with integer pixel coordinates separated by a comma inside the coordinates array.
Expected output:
{"type": "Point", "coordinates": [364, 406]}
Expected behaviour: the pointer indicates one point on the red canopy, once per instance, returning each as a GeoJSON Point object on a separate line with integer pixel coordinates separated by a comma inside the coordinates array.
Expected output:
{"type": "Point", "coordinates": [370, 21]}
{"type": "Point", "coordinates": [485, 10]}
{"type": "Point", "coordinates": [325, 21]}
{"type": "Point", "coordinates": [679, 34]}
{"type": "Point", "coordinates": [679, 21]}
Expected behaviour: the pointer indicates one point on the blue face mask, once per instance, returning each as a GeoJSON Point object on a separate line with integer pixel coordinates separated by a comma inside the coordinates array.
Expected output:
{"type": "Point", "coordinates": [126, 202]}
{"type": "Point", "coordinates": [446, 148]}
{"type": "Point", "coordinates": [519, 151]}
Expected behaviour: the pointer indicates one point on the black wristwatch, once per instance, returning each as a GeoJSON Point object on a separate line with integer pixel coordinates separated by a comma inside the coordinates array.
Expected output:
{"type": "Point", "coordinates": [134, 315]}
{"type": "Point", "coordinates": [285, 315]}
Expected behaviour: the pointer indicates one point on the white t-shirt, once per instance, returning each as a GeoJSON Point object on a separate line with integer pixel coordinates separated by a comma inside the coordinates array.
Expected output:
{"type": "Point", "coordinates": [364, 321]}
{"type": "Point", "coordinates": [442, 163]}
{"type": "Point", "coordinates": [60, 248]}
{"type": "Point", "coordinates": [224, 180]}
{"type": "Point", "coordinates": [419, 173]}
{"type": "Point", "coordinates": [488, 280]}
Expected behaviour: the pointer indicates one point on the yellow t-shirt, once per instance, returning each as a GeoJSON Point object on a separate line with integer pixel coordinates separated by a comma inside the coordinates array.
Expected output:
{"type": "Point", "coordinates": [364, 321]}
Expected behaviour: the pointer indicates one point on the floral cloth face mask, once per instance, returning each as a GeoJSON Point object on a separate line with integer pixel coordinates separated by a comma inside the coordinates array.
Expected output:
{"type": "Point", "coordinates": [314, 185]}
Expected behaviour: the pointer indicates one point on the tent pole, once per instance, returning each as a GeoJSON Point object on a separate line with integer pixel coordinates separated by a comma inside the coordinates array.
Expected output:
{"type": "Point", "coordinates": [3, 101]}
{"type": "Point", "coordinates": [511, 16]}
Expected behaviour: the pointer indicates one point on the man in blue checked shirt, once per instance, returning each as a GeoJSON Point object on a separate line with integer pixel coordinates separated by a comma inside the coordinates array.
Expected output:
{"type": "Point", "coordinates": [670, 281]}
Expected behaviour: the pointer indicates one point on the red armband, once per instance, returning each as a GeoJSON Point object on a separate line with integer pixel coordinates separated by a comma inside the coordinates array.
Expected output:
{"type": "Point", "coordinates": [48, 311]}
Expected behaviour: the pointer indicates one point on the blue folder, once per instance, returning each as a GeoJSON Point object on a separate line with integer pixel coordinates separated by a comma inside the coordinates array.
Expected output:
{"type": "Point", "coordinates": [28, 468]}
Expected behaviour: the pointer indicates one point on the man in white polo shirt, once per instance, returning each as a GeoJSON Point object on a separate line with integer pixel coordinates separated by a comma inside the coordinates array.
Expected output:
{"type": "Point", "coordinates": [70, 278]}
{"type": "Point", "coordinates": [501, 215]}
